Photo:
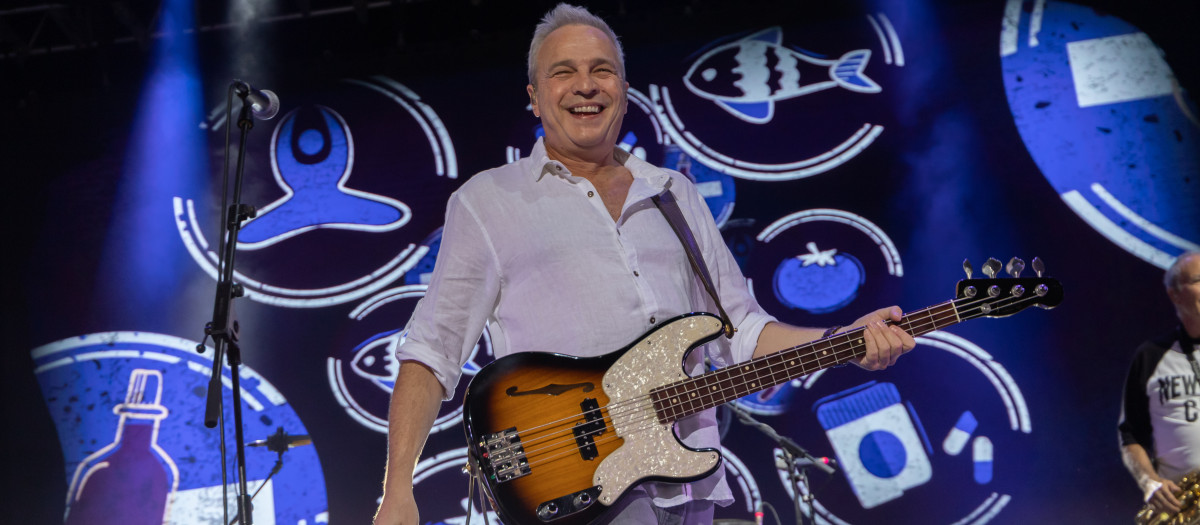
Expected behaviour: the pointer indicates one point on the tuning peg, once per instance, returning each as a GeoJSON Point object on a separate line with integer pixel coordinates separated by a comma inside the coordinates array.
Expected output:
{"type": "Point", "coordinates": [1015, 267]}
{"type": "Point", "coordinates": [991, 267]}
{"type": "Point", "coordinates": [1038, 266]}
{"type": "Point", "coordinates": [967, 267]}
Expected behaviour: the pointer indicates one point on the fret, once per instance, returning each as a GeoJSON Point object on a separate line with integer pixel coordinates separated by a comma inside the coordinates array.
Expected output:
{"type": "Point", "coordinates": [933, 320]}
{"type": "Point", "coordinates": [683, 400]}
{"type": "Point", "coordinates": [778, 369]}
{"type": "Point", "coordinates": [706, 386]}
{"type": "Point", "coordinates": [750, 380]}
{"type": "Point", "coordinates": [908, 321]}
{"type": "Point", "coordinates": [826, 362]}
{"type": "Point", "coordinates": [825, 349]}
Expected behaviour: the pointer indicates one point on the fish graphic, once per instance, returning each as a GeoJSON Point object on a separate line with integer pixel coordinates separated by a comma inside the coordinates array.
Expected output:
{"type": "Point", "coordinates": [375, 359]}
{"type": "Point", "coordinates": [747, 76]}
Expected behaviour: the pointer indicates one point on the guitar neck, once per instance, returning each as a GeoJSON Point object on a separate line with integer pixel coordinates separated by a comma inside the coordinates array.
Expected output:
{"type": "Point", "coordinates": [684, 398]}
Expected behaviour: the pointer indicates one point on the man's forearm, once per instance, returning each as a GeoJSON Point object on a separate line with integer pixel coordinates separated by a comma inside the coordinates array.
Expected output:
{"type": "Point", "coordinates": [882, 343]}
{"type": "Point", "coordinates": [414, 406]}
{"type": "Point", "coordinates": [778, 336]}
{"type": "Point", "coordinates": [1137, 462]}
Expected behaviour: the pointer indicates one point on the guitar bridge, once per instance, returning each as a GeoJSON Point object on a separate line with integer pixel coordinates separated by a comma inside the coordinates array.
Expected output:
{"type": "Point", "coordinates": [502, 457]}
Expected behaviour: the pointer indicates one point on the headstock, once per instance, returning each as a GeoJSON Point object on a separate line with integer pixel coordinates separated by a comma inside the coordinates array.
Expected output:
{"type": "Point", "coordinates": [1004, 296]}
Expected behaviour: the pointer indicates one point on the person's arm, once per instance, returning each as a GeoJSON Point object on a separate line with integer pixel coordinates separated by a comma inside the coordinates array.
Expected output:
{"type": "Point", "coordinates": [1135, 432]}
{"type": "Point", "coordinates": [439, 338]}
{"type": "Point", "coordinates": [414, 406]}
{"type": "Point", "coordinates": [884, 343]}
{"type": "Point", "coordinates": [1159, 492]}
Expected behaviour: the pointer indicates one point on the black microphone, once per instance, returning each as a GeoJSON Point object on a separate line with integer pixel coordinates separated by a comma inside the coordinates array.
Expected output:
{"type": "Point", "coordinates": [264, 103]}
{"type": "Point", "coordinates": [805, 462]}
{"type": "Point", "coordinates": [280, 441]}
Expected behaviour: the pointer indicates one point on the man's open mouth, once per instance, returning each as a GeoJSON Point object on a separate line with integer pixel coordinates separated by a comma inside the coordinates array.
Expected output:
{"type": "Point", "coordinates": [586, 110]}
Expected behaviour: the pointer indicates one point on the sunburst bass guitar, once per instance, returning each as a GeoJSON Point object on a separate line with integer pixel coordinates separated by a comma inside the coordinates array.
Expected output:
{"type": "Point", "coordinates": [558, 439]}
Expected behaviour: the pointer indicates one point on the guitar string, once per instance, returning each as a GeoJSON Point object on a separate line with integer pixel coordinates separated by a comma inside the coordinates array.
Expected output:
{"type": "Point", "coordinates": [613, 406]}
{"type": "Point", "coordinates": [616, 406]}
{"type": "Point", "coordinates": [931, 317]}
{"type": "Point", "coordinates": [730, 392]}
{"type": "Point", "coordinates": [640, 405]}
{"type": "Point", "coordinates": [744, 376]}
{"type": "Point", "coordinates": [564, 449]}
{"type": "Point", "coordinates": [735, 389]}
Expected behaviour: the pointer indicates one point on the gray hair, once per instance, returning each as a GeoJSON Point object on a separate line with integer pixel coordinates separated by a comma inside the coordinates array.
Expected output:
{"type": "Point", "coordinates": [1171, 278]}
{"type": "Point", "coordinates": [564, 15]}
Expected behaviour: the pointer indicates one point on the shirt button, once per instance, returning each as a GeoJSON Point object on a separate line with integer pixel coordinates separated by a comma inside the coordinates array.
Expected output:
{"type": "Point", "coordinates": [652, 320]}
{"type": "Point", "coordinates": [635, 274]}
{"type": "Point", "coordinates": [591, 194]}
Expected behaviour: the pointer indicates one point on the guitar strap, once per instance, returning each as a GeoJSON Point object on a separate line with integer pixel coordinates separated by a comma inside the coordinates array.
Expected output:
{"type": "Point", "coordinates": [670, 209]}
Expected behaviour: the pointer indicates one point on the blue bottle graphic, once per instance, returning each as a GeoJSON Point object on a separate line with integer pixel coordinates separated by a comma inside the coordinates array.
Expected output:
{"type": "Point", "coordinates": [131, 480]}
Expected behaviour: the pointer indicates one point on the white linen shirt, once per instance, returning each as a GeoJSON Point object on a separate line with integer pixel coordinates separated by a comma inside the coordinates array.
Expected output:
{"type": "Point", "coordinates": [530, 251]}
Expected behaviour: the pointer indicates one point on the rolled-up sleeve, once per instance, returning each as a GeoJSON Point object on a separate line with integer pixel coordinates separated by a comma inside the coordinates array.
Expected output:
{"type": "Point", "coordinates": [744, 311]}
{"type": "Point", "coordinates": [463, 290]}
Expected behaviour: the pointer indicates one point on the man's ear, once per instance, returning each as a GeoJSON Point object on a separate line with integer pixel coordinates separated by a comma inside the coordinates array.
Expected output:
{"type": "Point", "coordinates": [532, 99]}
{"type": "Point", "coordinates": [627, 98]}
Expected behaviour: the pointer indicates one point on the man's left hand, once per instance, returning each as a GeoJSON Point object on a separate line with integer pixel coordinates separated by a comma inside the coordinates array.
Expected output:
{"type": "Point", "coordinates": [885, 343]}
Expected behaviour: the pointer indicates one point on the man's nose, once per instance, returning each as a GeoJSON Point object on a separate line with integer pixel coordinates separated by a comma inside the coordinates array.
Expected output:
{"type": "Point", "coordinates": [586, 85]}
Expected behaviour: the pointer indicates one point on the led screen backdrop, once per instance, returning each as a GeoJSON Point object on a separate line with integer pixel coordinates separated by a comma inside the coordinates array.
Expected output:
{"type": "Point", "coordinates": [852, 155]}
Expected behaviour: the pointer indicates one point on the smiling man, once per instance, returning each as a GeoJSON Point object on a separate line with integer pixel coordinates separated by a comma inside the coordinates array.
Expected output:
{"type": "Point", "coordinates": [563, 251]}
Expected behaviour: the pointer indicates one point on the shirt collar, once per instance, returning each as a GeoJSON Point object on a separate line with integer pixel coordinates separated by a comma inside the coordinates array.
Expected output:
{"type": "Point", "coordinates": [649, 174]}
{"type": "Point", "coordinates": [541, 164]}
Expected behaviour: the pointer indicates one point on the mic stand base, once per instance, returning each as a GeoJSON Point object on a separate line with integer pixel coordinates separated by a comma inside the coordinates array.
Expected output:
{"type": "Point", "coordinates": [249, 501]}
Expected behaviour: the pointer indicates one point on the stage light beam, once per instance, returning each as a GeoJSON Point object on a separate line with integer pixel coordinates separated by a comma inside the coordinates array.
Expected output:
{"type": "Point", "coordinates": [143, 267]}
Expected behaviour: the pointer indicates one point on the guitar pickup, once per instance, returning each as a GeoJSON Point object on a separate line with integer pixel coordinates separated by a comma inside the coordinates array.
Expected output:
{"type": "Point", "coordinates": [503, 457]}
{"type": "Point", "coordinates": [592, 426]}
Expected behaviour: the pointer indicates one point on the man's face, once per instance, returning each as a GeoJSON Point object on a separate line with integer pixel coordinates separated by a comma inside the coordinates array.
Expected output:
{"type": "Point", "coordinates": [580, 96]}
{"type": "Point", "coordinates": [1186, 297]}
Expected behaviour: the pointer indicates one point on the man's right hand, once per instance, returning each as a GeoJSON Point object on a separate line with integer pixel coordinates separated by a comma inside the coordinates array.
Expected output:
{"type": "Point", "coordinates": [399, 507]}
{"type": "Point", "coordinates": [1164, 498]}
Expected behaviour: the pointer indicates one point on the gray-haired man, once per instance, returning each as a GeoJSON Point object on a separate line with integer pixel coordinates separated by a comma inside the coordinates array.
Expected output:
{"type": "Point", "coordinates": [563, 252]}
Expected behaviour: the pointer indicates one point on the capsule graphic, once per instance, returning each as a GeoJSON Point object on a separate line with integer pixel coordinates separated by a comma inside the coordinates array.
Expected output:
{"type": "Point", "coordinates": [958, 436]}
{"type": "Point", "coordinates": [982, 454]}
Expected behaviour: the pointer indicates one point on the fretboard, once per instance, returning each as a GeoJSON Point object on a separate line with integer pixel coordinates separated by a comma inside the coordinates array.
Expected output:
{"type": "Point", "coordinates": [687, 397]}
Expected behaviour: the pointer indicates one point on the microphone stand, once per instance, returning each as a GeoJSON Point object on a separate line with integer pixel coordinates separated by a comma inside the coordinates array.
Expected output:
{"type": "Point", "coordinates": [792, 453]}
{"type": "Point", "coordinates": [274, 470]}
{"type": "Point", "coordinates": [224, 328]}
{"type": "Point", "coordinates": [279, 442]}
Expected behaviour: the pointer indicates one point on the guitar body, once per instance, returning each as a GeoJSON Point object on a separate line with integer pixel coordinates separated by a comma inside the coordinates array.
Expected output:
{"type": "Point", "coordinates": [558, 439]}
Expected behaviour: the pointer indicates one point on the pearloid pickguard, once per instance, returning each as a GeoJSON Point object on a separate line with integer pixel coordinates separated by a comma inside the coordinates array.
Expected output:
{"type": "Point", "coordinates": [650, 448]}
